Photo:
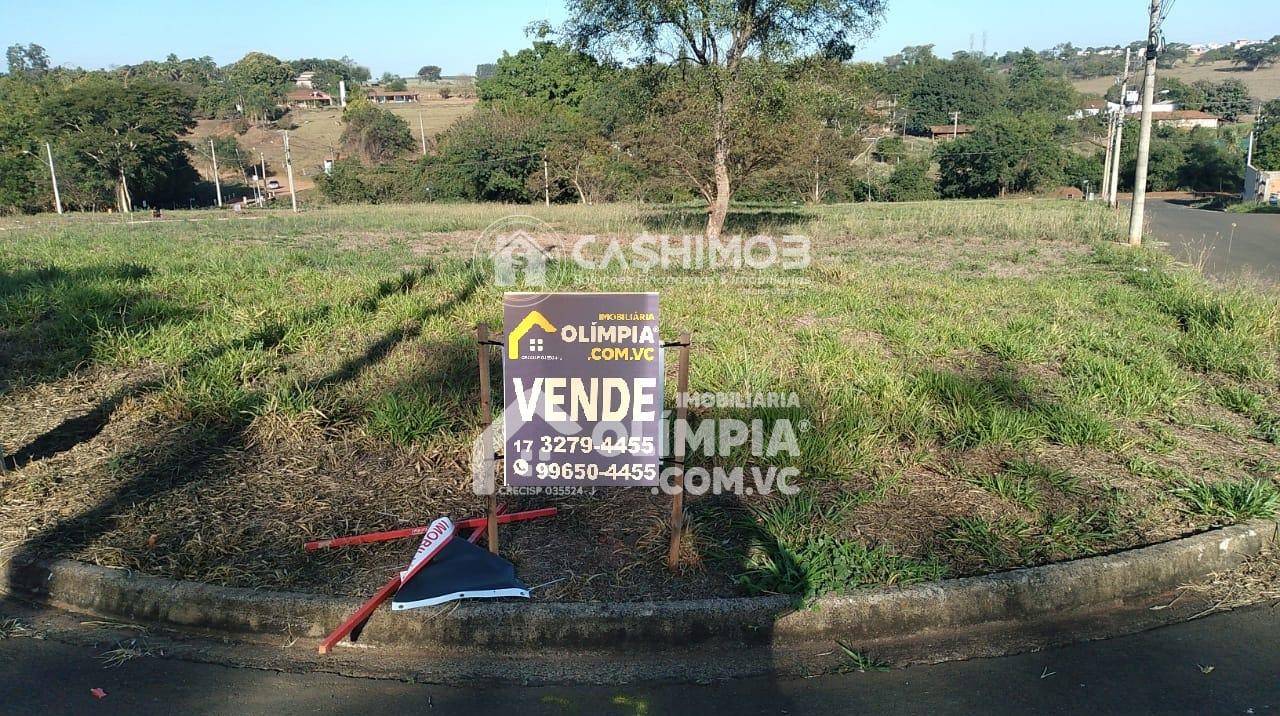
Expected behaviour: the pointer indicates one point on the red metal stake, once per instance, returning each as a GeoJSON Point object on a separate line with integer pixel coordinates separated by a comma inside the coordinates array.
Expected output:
{"type": "Point", "coordinates": [414, 531]}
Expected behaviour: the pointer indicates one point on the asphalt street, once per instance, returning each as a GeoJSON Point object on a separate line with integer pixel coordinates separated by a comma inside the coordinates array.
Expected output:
{"type": "Point", "coordinates": [1222, 664]}
{"type": "Point", "coordinates": [1227, 246]}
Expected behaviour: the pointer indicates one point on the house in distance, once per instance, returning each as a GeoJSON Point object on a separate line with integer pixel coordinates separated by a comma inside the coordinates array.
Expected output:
{"type": "Point", "coordinates": [379, 96]}
{"type": "Point", "coordinates": [308, 99]}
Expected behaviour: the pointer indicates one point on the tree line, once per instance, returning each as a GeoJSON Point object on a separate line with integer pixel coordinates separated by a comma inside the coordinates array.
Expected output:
{"type": "Point", "coordinates": [801, 130]}
{"type": "Point", "coordinates": [117, 136]}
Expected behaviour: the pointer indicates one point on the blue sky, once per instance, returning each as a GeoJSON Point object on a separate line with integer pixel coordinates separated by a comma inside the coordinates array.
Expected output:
{"type": "Point", "coordinates": [401, 35]}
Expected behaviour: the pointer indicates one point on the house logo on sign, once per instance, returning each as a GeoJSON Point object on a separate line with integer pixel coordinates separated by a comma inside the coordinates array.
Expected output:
{"type": "Point", "coordinates": [518, 345]}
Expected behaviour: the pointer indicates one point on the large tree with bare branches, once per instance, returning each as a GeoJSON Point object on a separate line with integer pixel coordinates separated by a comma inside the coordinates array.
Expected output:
{"type": "Point", "coordinates": [721, 36]}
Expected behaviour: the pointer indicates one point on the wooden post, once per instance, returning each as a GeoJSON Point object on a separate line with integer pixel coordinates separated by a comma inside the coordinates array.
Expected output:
{"type": "Point", "coordinates": [486, 439]}
{"type": "Point", "coordinates": [679, 440]}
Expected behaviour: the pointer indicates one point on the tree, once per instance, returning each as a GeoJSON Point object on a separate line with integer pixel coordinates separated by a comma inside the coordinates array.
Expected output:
{"type": "Point", "coordinates": [1258, 56]}
{"type": "Point", "coordinates": [1228, 99]}
{"type": "Point", "coordinates": [943, 87]}
{"type": "Point", "coordinates": [254, 85]}
{"type": "Point", "coordinates": [1266, 142]}
{"type": "Point", "coordinates": [429, 73]}
{"type": "Point", "coordinates": [231, 156]}
{"type": "Point", "coordinates": [29, 60]}
{"type": "Point", "coordinates": [768, 125]}
{"type": "Point", "coordinates": [356, 72]}
{"type": "Point", "coordinates": [1266, 148]}
{"type": "Point", "coordinates": [1207, 165]}
{"type": "Point", "coordinates": [20, 167]}
{"type": "Point", "coordinates": [1172, 53]}
{"type": "Point", "coordinates": [258, 68]}
{"type": "Point", "coordinates": [126, 136]}
{"type": "Point", "coordinates": [489, 156]}
{"type": "Point", "coordinates": [392, 82]}
{"type": "Point", "coordinates": [1186, 96]}
{"type": "Point", "coordinates": [373, 133]}
{"type": "Point", "coordinates": [546, 72]}
{"type": "Point", "coordinates": [821, 129]}
{"type": "Point", "coordinates": [910, 182]}
{"type": "Point", "coordinates": [720, 36]}
{"type": "Point", "coordinates": [485, 70]}
{"type": "Point", "coordinates": [1032, 89]}
{"type": "Point", "coordinates": [891, 149]}
{"type": "Point", "coordinates": [1006, 153]}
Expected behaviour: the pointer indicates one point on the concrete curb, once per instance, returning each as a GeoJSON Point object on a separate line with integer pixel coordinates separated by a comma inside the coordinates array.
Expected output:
{"type": "Point", "coordinates": [1031, 598]}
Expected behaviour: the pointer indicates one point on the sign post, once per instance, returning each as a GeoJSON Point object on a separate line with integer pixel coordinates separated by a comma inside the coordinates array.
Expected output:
{"type": "Point", "coordinates": [486, 415]}
{"type": "Point", "coordinates": [677, 452]}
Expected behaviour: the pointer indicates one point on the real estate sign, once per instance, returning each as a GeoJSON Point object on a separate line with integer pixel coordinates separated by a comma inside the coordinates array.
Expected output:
{"type": "Point", "coordinates": [582, 383]}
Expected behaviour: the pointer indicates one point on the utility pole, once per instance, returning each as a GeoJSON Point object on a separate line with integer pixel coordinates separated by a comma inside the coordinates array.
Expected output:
{"type": "Point", "coordinates": [1113, 187]}
{"type": "Point", "coordinates": [217, 185]}
{"type": "Point", "coordinates": [263, 159]}
{"type": "Point", "coordinates": [546, 181]}
{"type": "Point", "coordinates": [1144, 135]}
{"type": "Point", "coordinates": [422, 132]}
{"type": "Point", "coordinates": [955, 125]}
{"type": "Point", "coordinates": [288, 167]}
{"type": "Point", "coordinates": [1106, 163]}
{"type": "Point", "coordinates": [57, 198]}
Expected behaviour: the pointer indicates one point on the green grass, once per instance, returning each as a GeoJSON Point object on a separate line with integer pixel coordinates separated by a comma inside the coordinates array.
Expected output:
{"type": "Point", "coordinates": [1244, 401]}
{"type": "Point", "coordinates": [1229, 500]}
{"type": "Point", "coordinates": [860, 662]}
{"type": "Point", "coordinates": [1032, 470]}
{"type": "Point", "coordinates": [1002, 327]}
{"type": "Point", "coordinates": [996, 543]}
{"type": "Point", "coordinates": [795, 552]}
{"type": "Point", "coordinates": [1019, 490]}
{"type": "Point", "coordinates": [1253, 207]}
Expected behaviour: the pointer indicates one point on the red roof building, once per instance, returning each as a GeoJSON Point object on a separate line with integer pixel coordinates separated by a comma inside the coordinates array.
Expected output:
{"type": "Point", "coordinates": [307, 99]}
{"type": "Point", "coordinates": [948, 132]}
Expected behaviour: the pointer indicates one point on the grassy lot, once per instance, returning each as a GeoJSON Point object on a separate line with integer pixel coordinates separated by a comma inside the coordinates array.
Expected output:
{"type": "Point", "coordinates": [987, 385]}
{"type": "Point", "coordinates": [318, 133]}
{"type": "Point", "coordinates": [1263, 83]}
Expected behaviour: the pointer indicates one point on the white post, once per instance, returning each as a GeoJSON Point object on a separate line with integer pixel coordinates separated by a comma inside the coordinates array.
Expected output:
{"type": "Point", "coordinates": [422, 132]}
{"type": "Point", "coordinates": [546, 182]}
{"type": "Point", "coordinates": [288, 167]}
{"type": "Point", "coordinates": [1119, 132]}
{"type": "Point", "coordinates": [955, 125]}
{"type": "Point", "coordinates": [57, 198]}
{"type": "Point", "coordinates": [1106, 162]}
{"type": "Point", "coordinates": [217, 184]}
{"type": "Point", "coordinates": [126, 199]}
{"type": "Point", "coordinates": [1144, 135]}
{"type": "Point", "coordinates": [342, 92]}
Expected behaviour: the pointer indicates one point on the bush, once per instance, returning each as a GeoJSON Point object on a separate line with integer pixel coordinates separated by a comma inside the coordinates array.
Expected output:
{"type": "Point", "coordinates": [354, 183]}
{"type": "Point", "coordinates": [373, 133]}
{"type": "Point", "coordinates": [910, 182]}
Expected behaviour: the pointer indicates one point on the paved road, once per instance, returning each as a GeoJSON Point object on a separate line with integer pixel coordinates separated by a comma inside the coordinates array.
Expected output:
{"type": "Point", "coordinates": [1223, 664]}
{"type": "Point", "coordinates": [1251, 247]}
